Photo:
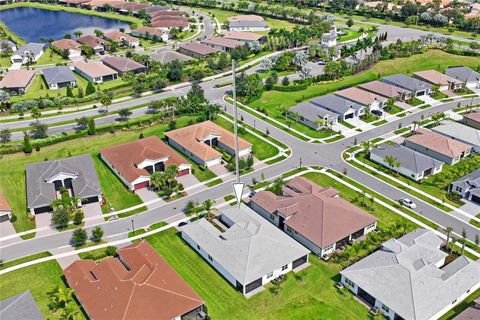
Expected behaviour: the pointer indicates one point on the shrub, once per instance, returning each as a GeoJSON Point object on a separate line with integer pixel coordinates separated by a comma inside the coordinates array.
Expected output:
{"type": "Point", "coordinates": [27, 146]}
{"type": "Point", "coordinates": [97, 234]}
{"type": "Point", "coordinates": [111, 251]}
{"type": "Point", "coordinates": [78, 217]}
{"type": "Point", "coordinates": [79, 237]}
{"type": "Point", "coordinates": [13, 218]}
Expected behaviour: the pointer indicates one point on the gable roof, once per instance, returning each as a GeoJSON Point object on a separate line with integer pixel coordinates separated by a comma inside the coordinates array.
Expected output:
{"type": "Point", "coordinates": [170, 23]}
{"type": "Point", "coordinates": [58, 74]}
{"type": "Point", "coordinates": [139, 284]}
{"type": "Point", "coordinates": [383, 89]}
{"type": "Point", "coordinates": [20, 306]}
{"type": "Point", "coordinates": [403, 275]}
{"type": "Point", "coordinates": [91, 41]}
{"type": "Point", "coordinates": [360, 96]}
{"type": "Point", "coordinates": [436, 78]}
{"type": "Point", "coordinates": [247, 23]}
{"type": "Point", "coordinates": [191, 138]}
{"type": "Point", "coordinates": [17, 78]}
{"type": "Point", "coordinates": [463, 74]}
{"type": "Point", "coordinates": [66, 44]}
{"type": "Point", "coordinates": [31, 47]}
{"type": "Point", "coordinates": [250, 248]}
{"type": "Point", "coordinates": [409, 159]}
{"type": "Point", "coordinates": [198, 48]}
{"type": "Point", "coordinates": [459, 131]}
{"type": "Point", "coordinates": [223, 42]}
{"type": "Point", "coordinates": [125, 157]}
{"type": "Point", "coordinates": [167, 56]}
{"type": "Point", "coordinates": [316, 213]}
{"type": "Point", "coordinates": [93, 68]}
{"type": "Point", "coordinates": [408, 83]}
{"type": "Point", "coordinates": [122, 64]}
{"type": "Point", "coordinates": [40, 193]}
{"type": "Point", "coordinates": [311, 111]}
{"type": "Point", "coordinates": [438, 143]}
{"type": "Point", "coordinates": [335, 103]}
{"type": "Point", "coordinates": [151, 31]}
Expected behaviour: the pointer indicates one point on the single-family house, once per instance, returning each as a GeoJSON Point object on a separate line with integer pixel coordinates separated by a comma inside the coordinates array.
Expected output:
{"type": "Point", "coordinates": [98, 45]}
{"type": "Point", "coordinates": [150, 33]}
{"type": "Point", "coordinates": [122, 39]}
{"type": "Point", "coordinates": [314, 216]}
{"type": "Point", "coordinates": [198, 142]}
{"type": "Point", "coordinates": [443, 81]}
{"type": "Point", "coordinates": [248, 22]}
{"type": "Point", "coordinates": [128, 7]}
{"type": "Point", "coordinates": [7, 46]}
{"type": "Point", "coordinates": [122, 64]}
{"type": "Point", "coordinates": [329, 40]}
{"type": "Point", "coordinates": [224, 44]}
{"type": "Point", "coordinates": [135, 284]}
{"type": "Point", "coordinates": [244, 248]}
{"type": "Point", "coordinates": [197, 50]}
{"type": "Point", "coordinates": [59, 77]}
{"type": "Point", "coordinates": [415, 86]}
{"type": "Point", "coordinates": [345, 109]}
{"type": "Point", "coordinates": [17, 81]}
{"type": "Point", "coordinates": [470, 78]}
{"type": "Point", "coordinates": [386, 90]}
{"type": "Point", "coordinates": [135, 161]}
{"type": "Point", "coordinates": [167, 56]}
{"type": "Point", "coordinates": [364, 98]}
{"type": "Point", "coordinates": [245, 36]}
{"type": "Point", "coordinates": [312, 115]}
{"type": "Point", "coordinates": [168, 23]}
{"type": "Point", "coordinates": [412, 164]}
{"type": "Point", "coordinates": [46, 179]}
{"type": "Point", "coordinates": [472, 119]}
{"type": "Point", "coordinates": [409, 278]}
{"type": "Point", "coordinates": [28, 53]}
{"type": "Point", "coordinates": [468, 186]}
{"type": "Point", "coordinates": [170, 12]}
{"type": "Point", "coordinates": [20, 306]}
{"type": "Point", "coordinates": [460, 132]}
{"type": "Point", "coordinates": [473, 311]}
{"type": "Point", "coordinates": [437, 146]}
{"type": "Point", "coordinates": [73, 49]}
{"type": "Point", "coordinates": [5, 210]}
{"type": "Point", "coordinates": [95, 71]}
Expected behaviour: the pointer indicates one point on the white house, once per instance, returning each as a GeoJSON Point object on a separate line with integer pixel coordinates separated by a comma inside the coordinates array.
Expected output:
{"type": "Point", "coordinates": [29, 52]}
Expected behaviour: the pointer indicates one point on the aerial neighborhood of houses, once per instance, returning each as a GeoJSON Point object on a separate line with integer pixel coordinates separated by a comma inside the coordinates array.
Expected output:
{"type": "Point", "coordinates": [197, 160]}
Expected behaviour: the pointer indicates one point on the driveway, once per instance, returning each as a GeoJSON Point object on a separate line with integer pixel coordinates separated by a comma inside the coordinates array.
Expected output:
{"type": "Point", "coordinates": [471, 208]}
{"type": "Point", "coordinates": [90, 211]}
{"type": "Point", "coordinates": [7, 229]}
{"type": "Point", "coordinates": [64, 262]}
{"type": "Point", "coordinates": [219, 170]}
{"type": "Point", "coordinates": [147, 194]}
{"type": "Point", "coordinates": [44, 220]}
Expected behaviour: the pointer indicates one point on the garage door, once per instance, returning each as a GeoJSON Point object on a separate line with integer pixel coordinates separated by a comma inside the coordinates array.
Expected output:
{"type": "Point", "coordinates": [141, 185]}
{"type": "Point", "coordinates": [4, 218]}
{"type": "Point", "coordinates": [183, 172]}
{"type": "Point", "coordinates": [420, 93]}
{"type": "Point", "coordinates": [349, 116]}
{"type": "Point", "coordinates": [476, 199]}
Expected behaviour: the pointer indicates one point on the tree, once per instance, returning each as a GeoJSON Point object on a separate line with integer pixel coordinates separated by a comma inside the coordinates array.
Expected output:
{"type": "Point", "coordinates": [172, 124]}
{"type": "Point", "coordinates": [97, 234]}
{"type": "Point", "coordinates": [60, 216]}
{"type": "Point", "coordinates": [82, 122]}
{"type": "Point", "coordinates": [87, 51]}
{"type": "Point", "coordinates": [367, 146]}
{"type": "Point", "coordinates": [334, 70]}
{"type": "Point", "coordinates": [269, 83]}
{"type": "Point", "coordinates": [35, 112]}
{"type": "Point", "coordinates": [90, 89]}
{"type": "Point", "coordinates": [198, 75]}
{"type": "Point", "coordinates": [175, 71]}
{"type": "Point", "coordinates": [106, 100]}
{"type": "Point", "coordinates": [60, 298]}
{"type": "Point", "coordinates": [277, 186]}
{"type": "Point", "coordinates": [5, 135]}
{"type": "Point", "coordinates": [350, 22]}
{"type": "Point", "coordinates": [39, 130]}
{"type": "Point", "coordinates": [464, 240]}
{"type": "Point", "coordinates": [78, 217]}
{"type": "Point", "coordinates": [449, 230]}
{"type": "Point", "coordinates": [207, 205]}
{"type": "Point", "coordinates": [27, 147]}
{"type": "Point", "coordinates": [124, 113]}
{"type": "Point", "coordinates": [69, 92]}
{"type": "Point", "coordinates": [285, 81]}
{"type": "Point", "coordinates": [78, 33]}
{"type": "Point", "coordinates": [98, 32]}
{"type": "Point", "coordinates": [79, 237]}
{"type": "Point", "coordinates": [391, 161]}
{"type": "Point", "coordinates": [190, 206]}
{"type": "Point", "coordinates": [91, 127]}
{"type": "Point", "coordinates": [437, 117]}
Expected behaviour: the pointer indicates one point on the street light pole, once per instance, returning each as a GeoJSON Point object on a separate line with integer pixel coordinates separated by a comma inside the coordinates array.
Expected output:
{"type": "Point", "coordinates": [133, 226]}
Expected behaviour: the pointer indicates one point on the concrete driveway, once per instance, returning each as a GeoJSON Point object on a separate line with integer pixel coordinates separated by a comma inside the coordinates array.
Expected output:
{"type": "Point", "coordinates": [44, 220]}
{"type": "Point", "coordinates": [147, 194]}
{"type": "Point", "coordinates": [471, 208]}
{"type": "Point", "coordinates": [190, 183]}
{"type": "Point", "coordinates": [92, 210]}
{"type": "Point", "coordinates": [7, 229]}
{"type": "Point", "coordinates": [219, 169]}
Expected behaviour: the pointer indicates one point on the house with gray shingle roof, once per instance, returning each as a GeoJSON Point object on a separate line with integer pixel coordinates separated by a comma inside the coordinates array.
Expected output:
{"type": "Point", "coordinates": [469, 77]}
{"type": "Point", "coordinates": [46, 179]}
{"type": "Point", "coordinates": [468, 186]}
{"type": "Point", "coordinates": [417, 87]}
{"type": "Point", "coordinates": [408, 278]}
{"type": "Point", "coordinates": [413, 164]}
{"type": "Point", "coordinates": [345, 109]}
{"type": "Point", "coordinates": [457, 131]}
{"type": "Point", "coordinates": [310, 114]}
{"type": "Point", "coordinates": [29, 52]}
{"type": "Point", "coordinates": [20, 306]}
{"type": "Point", "coordinates": [59, 77]}
{"type": "Point", "coordinates": [245, 248]}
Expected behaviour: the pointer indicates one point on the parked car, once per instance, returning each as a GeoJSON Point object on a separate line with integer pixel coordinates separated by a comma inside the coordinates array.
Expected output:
{"type": "Point", "coordinates": [408, 203]}
{"type": "Point", "coordinates": [183, 223]}
{"type": "Point", "coordinates": [325, 257]}
{"type": "Point", "coordinates": [377, 112]}
{"type": "Point", "coordinates": [252, 194]}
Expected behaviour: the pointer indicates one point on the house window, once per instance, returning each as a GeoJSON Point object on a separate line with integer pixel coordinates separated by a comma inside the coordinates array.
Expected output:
{"type": "Point", "coordinates": [349, 282]}
{"type": "Point", "coordinates": [330, 247]}
{"type": "Point", "coordinates": [198, 247]}
{"type": "Point", "coordinates": [269, 275]}
{"type": "Point", "coordinates": [272, 217]}
{"type": "Point", "coordinates": [289, 230]}
{"type": "Point", "coordinates": [385, 308]}
{"type": "Point", "coordinates": [458, 189]}
{"type": "Point", "coordinates": [210, 258]}
{"type": "Point", "coordinates": [285, 267]}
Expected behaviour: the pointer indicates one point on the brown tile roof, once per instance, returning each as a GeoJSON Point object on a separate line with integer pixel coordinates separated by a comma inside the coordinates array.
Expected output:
{"type": "Point", "coordinates": [148, 289]}
{"type": "Point", "coordinates": [122, 64]}
{"type": "Point", "coordinates": [474, 115]}
{"type": "Point", "coordinates": [100, 3]}
{"type": "Point", "coordinates": [91, 41]}
{"type": "Point", "coordinates": [152, 31]}
{"type": "Point", "coordinates": [93, 68]}
{"type": "Point", "coordinates": [316, 213]}
{"type": "Point", "coordinates": [435, 77]}
{"type": "Point", "coordinates": [170, 23]}
{"type": "Point", "coordinates": [166, 13]}
{"type": "Point", "coordinates": [436, 142]}
{"type": "Point", "coordinates": [76, 1]}
{"type": "Point", "coordinates": [472, 15]}
{"type": "Point", "coordinates": [199, 48]}
{"type": "Point", "coordinates": [118, 36]}
{"type": "Point", "coordinates": [242, 35]}
{"type": "Point", "coordinates": [360, 96]}
{"type": "Point", "coordinates": [66, 44]}
{"type": "Point", "coordinates": [383, 89]}
{"type": "Point", "coordinates": [125, 157]}
{"type": "Point", "coordinates": [191, 139]}
{"type": "Point", "coordinates": [129, 6]}
{"type": "Point", "coordinates": [247, 17]}
{"type": "Point", "coordinates": [223, 42]}
{"type": "Point", "coordinates": [17, 78]}
{"type": "Point", "coordinates": [4, 206]}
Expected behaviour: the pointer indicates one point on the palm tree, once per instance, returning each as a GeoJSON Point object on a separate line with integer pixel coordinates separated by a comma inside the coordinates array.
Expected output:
{"type": "Point", "coordinates": [277, 186]}
{"type": "Point", "coordinates": [366, 146]}
{"type": "Point", "coordinates": [207, 205]}
{"type": "Point", "coordinates": [437, 117]}
{"type": "Point", "coordinates": [449, 230]}
{"type": "Point", "coordinates": [157, 180]}
{"type": "Point", "coordinates": [60, 297]}
{"type": "Point", "coordinates": [78, 33]}
{"type": "Point", "coordinates": [171, 173]}
{"type": "Point", "coordinates": [464, 239]}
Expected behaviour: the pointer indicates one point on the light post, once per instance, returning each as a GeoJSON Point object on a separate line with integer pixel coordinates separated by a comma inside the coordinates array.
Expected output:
{"type": "Point", "coordinates": [253, 124]}
{"type": "Point", "coordinates": [133, 226]}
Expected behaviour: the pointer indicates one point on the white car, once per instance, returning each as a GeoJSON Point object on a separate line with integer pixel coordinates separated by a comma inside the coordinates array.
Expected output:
{"type": "Point", "coordinates": [408, 203]}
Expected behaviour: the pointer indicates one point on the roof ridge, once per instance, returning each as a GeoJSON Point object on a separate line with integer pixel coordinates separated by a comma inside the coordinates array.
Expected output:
{"type": "Point", "coordinates": [411, 291]}
{"type": "Point", "coordinates": [248, 257]}
{"type": "Point", "coordinates": [129, 300]}
{"type": "Point", "coordinates": [172, 292]}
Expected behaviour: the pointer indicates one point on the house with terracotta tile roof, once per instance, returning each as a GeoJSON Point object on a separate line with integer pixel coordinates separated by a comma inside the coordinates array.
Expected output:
{"type": "Point", "coordinates": [170, 12]}
{"type": "Point", "coordinates": [122, 39]}
{"type": "Point", "coordinates": [136, 284]}
{"type": "Point", "coordinates": [150, 33]}
{"type": "Point", "coordinates": [459, 132]}
{"type": "Point", "coordinates": [434, 77]}
{"type": "Point", "coordinates": [168, 23]}
{"type": "Point", "coordinates": [472, 119]}
{"type": "Point", "coordinates": [17, 81]}
{"type": "Point", "coordinates": [437, 146]}
{"type": "Point", "coordinates": [122, 64]}
{"type": "Point", "coordinates": [135, 161]}
{"type": "Point", "coordinates": [198, 142]}
{"type": "Point", "coordinates": [224, 44]}
{"type": "Point", "coordinates": [386, 90]}
{"type": "Point", "coordinates": [72, 47]}
{"type": "Point", "coordinates": [94, 71]}
{"type": "Point", "coordinates": [362, 97]}
{"type": "Point", "coordinates": [5, 210]}
{"type": "Point", "coordinates": [244, 36]}
{"type": "Point", "coordinates": [314, 216]}
{"type": "Point", "coordinates": [197, 50]}
{"type": "Point", "coordinates": [97, 44]}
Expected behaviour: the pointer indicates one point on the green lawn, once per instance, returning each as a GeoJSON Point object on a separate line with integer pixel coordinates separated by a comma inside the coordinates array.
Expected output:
{"type": "Point", "coordinates": [38, 279]}
{"type": "Point", "coordinates": [5, 61]}
{"type": "Point", "coordinates": [350, 35]}
{"type": "Point", "coordinates": [394, 110]}
{"type": "Point", "coordinates": [50, 57]}
{"type": "Point", "coordinates": [15, 262]}
{"type": "Point", "coordinates": [439, 95]}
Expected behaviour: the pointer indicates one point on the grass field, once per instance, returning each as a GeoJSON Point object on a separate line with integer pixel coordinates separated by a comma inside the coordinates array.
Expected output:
{"type": "Point", "coordinates": [350, 35]}
{"type": "Point", "coordinates": [50, 57]}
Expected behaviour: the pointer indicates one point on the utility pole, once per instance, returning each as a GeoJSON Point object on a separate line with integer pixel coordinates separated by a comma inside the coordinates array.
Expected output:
{"type": "Point", "coordinates": [237, 185]}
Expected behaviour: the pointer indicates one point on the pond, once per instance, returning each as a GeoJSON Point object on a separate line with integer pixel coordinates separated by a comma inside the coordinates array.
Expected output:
{"type": "Point", "coordinates": [32, 23]}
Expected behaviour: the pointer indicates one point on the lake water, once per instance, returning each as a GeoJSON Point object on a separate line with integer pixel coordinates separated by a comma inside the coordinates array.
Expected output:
{"type": "Point", "coordinates": [32, 23]}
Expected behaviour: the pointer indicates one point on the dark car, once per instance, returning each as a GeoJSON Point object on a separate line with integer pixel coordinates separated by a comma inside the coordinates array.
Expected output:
{"type": "Point", "coordinates": [183, 223]}
{"type": "Point", "coordinates": [377, 112]}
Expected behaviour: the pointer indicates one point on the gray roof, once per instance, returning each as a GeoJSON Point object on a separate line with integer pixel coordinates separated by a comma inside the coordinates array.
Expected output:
{"type": "Point", "coordinates": [59, 74]}
{"type": "Point", "coordinates": [33, 47]}
{"type": "Point", "coordinates": [464, 74]}
{"type": "Point", "coordinates": [250, 248]}
{"type": "Point", "coordinates": [458, 131]}
{"type": "Point", "coordinates": [329, 36]}
{"type": "Point", "coordinates": [409, 159]}
{"type": "Point", "coordinates": [8, 42]}
{"type": "Point", "coordinates": [469, 181]}
{"type": "Point", "coordinates": [335, 103]}
{"type": "Point", "coordinates": [40, 193]}
{"type": "Point", "coordinates": [20, 306]}
{"type": "Point", "coordinates": [312, 112]}
{"type": "Point", "coordinates": [167, 56]}
{"type": "Point", "coordinates": [405, 82]}
{"type": "Point", "coordinates": [247, 23]}
{"type": "Point", "coordinates": [403, 275]}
